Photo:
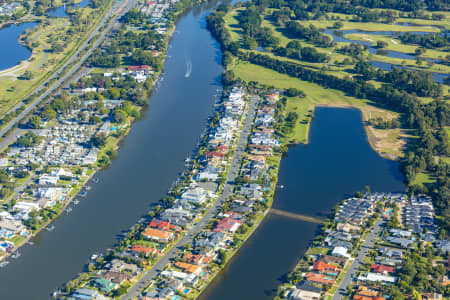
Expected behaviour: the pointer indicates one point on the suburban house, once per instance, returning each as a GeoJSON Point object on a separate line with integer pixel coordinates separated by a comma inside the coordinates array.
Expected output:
{"type": "Point", "coordinates": [306, 291]}
{"type": "Point", "coordinates": [157, 235]}
{"type": "Point", "coordinates": [197, 195]}
{"type": "Point", "coordinates": [381, 269]}
{"type": "Point", "coordinates": [227, 225]}
{"type": "Point", "coordinates": [189, 268]}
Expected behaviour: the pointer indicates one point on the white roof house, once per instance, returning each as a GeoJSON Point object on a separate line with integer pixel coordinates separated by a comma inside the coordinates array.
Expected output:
{"type": "Point", "coordinates": [340, 251]}
{"type": "Point", "coordinates": [374, 277]}
{"type": "Point", "coordinates": [197, 195]}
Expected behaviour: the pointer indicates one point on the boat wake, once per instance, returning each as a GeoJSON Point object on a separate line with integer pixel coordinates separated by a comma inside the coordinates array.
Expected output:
{"type": "Point", "coordinates": [188, 68]}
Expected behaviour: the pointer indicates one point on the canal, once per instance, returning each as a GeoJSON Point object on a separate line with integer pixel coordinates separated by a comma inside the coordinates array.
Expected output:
{"type": "Point", "coordinates": [150, 159]}
{"type": "Point", "coordinates": [337, 162]}
{"type": "Point", "coordinates": [12, 52]}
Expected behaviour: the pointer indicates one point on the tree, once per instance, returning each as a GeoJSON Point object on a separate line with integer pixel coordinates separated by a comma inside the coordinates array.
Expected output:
{"type": "Point", "coordinates": [98, 140]}
{"type": "Point", "coordinates": [27, 75]}
{"type": "Point", "coordinates": [49, 113]}
{"type": "Point", "coordinates": [381, 44]}
{"type": "Point", "coordinates": [119, 116]}
{"type": "Point", "coordinates": [35, 122]}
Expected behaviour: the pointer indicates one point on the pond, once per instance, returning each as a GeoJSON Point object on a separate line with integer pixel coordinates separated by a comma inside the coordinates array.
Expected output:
{"type": "Point", "coordinates": [61, 12]}
{"type": "Point", "coordinates": [12, 52]}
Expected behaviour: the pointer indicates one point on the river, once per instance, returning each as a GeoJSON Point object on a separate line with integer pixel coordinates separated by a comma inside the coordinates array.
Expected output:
{"type": "Point", "coordinates": [150, 159]}
{"type": "Point", "coordinates": [12, 52]}
{"type": "Point", "coordinates": [337, 162]}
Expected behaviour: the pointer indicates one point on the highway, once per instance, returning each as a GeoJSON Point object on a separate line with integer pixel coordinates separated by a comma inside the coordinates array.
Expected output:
{"type": "Point", "coordinates": [57, 84]}
{"type": "Point", "coordinates": [135, 290]}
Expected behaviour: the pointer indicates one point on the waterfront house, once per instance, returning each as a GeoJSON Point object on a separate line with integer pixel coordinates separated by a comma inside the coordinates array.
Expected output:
{"type": "Point", "coordinates": [197, 195]}
{"type": "Point", "coordinates": [323, 267]}
{"type": "Point", "coordinates": [210, 239]}
{"type": "Point", "coordinates": [87, 294]}
{"type": "Point", "coordinates": [137, 250]}
{"type": "Point", "coordinates": [209, 173]}
{"type": "Point", "coordinates": [197, 259]}
{"type": "Point", "coordinates": [305, 290]}
{"type": "Point", "coordinates": [163, 225]}
{"type": "Point", "coordinates": [158, 235]}
{"type": "Point", "coordinates": [117, 265]}
{"type": "Point", "coordinates": [328, 259]}
{"type": "Point", "coordinates": [115, 277]}
{"type": "Point", "coordinates": [177, 216]}
{"type": "Point", "coordinates": [319, 278]}
{"type": "Point", "coordinates": [104, 285]}
{"type": "Point", "coordinates": [340, 252]}
{"type": "Point", "coordinates": [189, 268]}
{"type": "Point", "coordinates": [227, 225]}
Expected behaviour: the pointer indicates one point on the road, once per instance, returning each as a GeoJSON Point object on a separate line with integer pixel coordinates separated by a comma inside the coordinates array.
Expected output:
{"type": "Point", "coordinates": [129, 5]}
{"type": "Point", "coordinates": [135, 290]}
{"type": "Point", "coordinates": [354, 267]}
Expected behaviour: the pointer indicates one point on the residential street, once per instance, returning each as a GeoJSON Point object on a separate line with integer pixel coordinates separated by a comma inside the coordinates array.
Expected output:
{"type": "Point", "coordinates": [367, 245]}
{"type": "Point", "coordinates": [135, 290]}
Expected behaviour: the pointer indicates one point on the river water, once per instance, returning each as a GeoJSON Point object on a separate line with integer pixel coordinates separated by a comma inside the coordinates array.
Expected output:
{"type": "Point", "coordinates": [337, 162]}
{"type": "Point", "coordinates": [150, 159]}
{"type": "Point", "coordinates": [11, 51]}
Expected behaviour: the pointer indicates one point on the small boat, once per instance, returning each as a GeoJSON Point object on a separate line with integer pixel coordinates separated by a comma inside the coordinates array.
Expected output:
{"type": "Point", "coordinates": [96, 180]}
{"type": "Point", "coordinates": [88, 187]}
{"type": "Point", "coordinates": [281, 186]}
{"type": "Point", "coordinates": [76, 202]}
{"type": "Point", "coordinates": [69, 210]}
{"type": "Point", "coordinates": [94, 256]}
{"type": "Point", "coordinates": [16, 255]}
{"type": "Point", "coordinates": [51, 228]}
{"type": "Point", "coordinates": [4, 263]}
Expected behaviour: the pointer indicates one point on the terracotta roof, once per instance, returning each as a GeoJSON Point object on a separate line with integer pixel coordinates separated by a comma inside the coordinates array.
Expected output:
{"type": "Point", "coordinates": [139, 248]}
{"type": "Point", "coordinates": [188, 268]}
{"type": "Point", "coordinates": [197, 258]}
{"type": "Point", "coordinates": [319, 278]}
{"type": "Point", "coordinates": [381, 268]}
{"type": "Point", "coordinates": [321, 266]}
{"type": "Point", "coordinates": [156, 233]}
{"type": "Point", "coordinates": [139, 68]}
{"type": "Point", "coordinates": [155, 223]}
{"type": "Point", "coordinates": [360, 297]}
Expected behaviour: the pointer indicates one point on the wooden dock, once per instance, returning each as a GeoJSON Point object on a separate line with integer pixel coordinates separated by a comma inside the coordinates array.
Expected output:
{"type": "Point", "coordinates": [296, 216]}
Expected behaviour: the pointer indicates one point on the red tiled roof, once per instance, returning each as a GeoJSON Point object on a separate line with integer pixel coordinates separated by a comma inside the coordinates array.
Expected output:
{"type": "Point", "coordinates": [139, 68]}
{"type": "Point", "coordinates": [322, 267]}
{"type": "Point", "coordinates": [226, 224]}
{"type": "Point", "coordinates": [381, 269]}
